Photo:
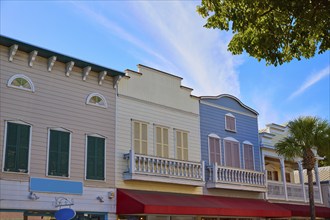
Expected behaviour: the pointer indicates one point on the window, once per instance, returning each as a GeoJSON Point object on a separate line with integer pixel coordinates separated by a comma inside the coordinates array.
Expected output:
{"type": "Point", "coordinates": [58, 155]}
{"type": "Point", "coordinates": [248, 156]}
{"type": "Point", "coordinates": [272, 175]}
{"type": "Point", "coordinates": [140, 137]}
{"type": "Point", "coordinates": [230, 122]}
{"type": "Point", "coordinates": [21, 81]}
{"type": "Point", "coordinates": [161, 141]}
{"type": "Point", "coordinates": [17, 147]}
{"type": "Point", "coordinates": [214, 149]}
{"type": "Point", "coordinates": [288, 177]}
{"type": "Point", "coordinates": [232, 153]}
{"type": "Point", "coordinates": [95, 158]}
{"type": "Point", "coordinates": [96, 99]}
{"type": "Point", "coordinates": [181, 145]}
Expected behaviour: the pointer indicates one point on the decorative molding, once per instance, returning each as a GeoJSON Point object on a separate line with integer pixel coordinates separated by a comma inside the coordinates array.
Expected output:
{"type": "Point", "coordinates": [227, 109]}
{"type": "Point", "coordinates": [12, 52]}
{"type": "Point", "coordinates": [62, 201]}
{"type": "Point", "coordinates": [51, 62]}
{"type": "Point", "coordinates": [32, 57]}
{"type": "Point", "coordinates": [68, 68]}
{"type": "Point", "coordinates": [86, 71]}
{"type": "Point", "coordinates": [102, 75]}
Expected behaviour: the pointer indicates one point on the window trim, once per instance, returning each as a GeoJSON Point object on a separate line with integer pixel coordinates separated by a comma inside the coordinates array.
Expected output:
{"type": "Point", "coordinates": [98, 95]}
{"type": "Point", "coordinates": [212, 135]}
{"type": "Point", "coordinates": [249, 143]}
{"type": "Point", "coordinates": [105, 156]}
{"type": "Point", "coordinates": [155, 139]}
{"type": "Point", "coordinates": [232, 116]}
{"type": "Point", "coordinates": [239, 151]}
{"type": "Point", "coordinates": [16, 76]}
{"type": "Point", "coordinates": [48, 142]}
{"type": "Point", "coordinates": [175, 143]}
{"type": "Point", "coordinates": [5, 148]}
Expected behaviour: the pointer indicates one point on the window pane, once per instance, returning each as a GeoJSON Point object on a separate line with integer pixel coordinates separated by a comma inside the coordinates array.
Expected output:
{"type": "Point", "coordinates": [144, 132]}
{"type": "Point", "coordinates": [17, 147]}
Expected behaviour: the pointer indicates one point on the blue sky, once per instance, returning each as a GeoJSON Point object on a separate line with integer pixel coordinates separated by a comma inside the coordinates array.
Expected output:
{"type": "Point", "coordinates": [169, 36]}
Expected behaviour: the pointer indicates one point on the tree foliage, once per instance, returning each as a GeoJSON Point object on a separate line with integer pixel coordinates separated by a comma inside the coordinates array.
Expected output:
{"type": "Point", "coordinates": [305, 135]}
{"type": "Point", "coordinates": [276, 31]}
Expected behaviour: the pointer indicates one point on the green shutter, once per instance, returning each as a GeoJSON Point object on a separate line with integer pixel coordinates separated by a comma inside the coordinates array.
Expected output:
{"type": "Point", "coordinates": [58, 160]}
{"type": "Point", "coordinates": [95, 158]}
{"type": "Point", "coordinates": [17, 147]}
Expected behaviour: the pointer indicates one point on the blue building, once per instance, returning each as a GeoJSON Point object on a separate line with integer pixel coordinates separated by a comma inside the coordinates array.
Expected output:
{"type": "Point", "coordinates": [230, 147]}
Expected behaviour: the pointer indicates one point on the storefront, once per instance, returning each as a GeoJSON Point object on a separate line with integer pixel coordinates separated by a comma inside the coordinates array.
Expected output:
{"type": "Point", "coordinates": [145, 205]}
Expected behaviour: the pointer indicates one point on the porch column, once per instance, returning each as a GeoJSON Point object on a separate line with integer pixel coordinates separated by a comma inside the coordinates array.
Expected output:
{"type": "Point", "coordinates": [283, 178]}
{"type": "Point", "coordinates": [317, 179]}
{"type": "Point", "coordinates": [301, 178]}
{"type": "Point", "coordinates": [265, 176]}
{"type": "Point", "coordinates": [132, 160]}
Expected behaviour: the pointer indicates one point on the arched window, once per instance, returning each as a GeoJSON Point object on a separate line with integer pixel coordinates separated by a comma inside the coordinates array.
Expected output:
{"type": "Point", "coordinates": [96, 99]}
{"type": "Point", "coordinates": [21, 81]}
{"type": "Point", "coordinates": [214, 149]}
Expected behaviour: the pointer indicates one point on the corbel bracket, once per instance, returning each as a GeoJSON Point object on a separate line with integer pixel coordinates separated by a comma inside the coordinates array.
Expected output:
{"type": "Point", "coordinates": [32, 57]}
{"type": "Point", "coordinates": [12, 52]}
{"type": "Point", "coordinates": [51, 62]}
{"type": "Point", "coordinates": [68, 68]}
{"type": "Point", "coordinates": [102, 76]}
{"type": "Point", "coordinates": [86, 71]}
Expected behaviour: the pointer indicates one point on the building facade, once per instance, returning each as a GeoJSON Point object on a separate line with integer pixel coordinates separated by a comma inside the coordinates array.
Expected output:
{"type": "Point", "coordinates": [57, 126]}
{"type": "Point", "coordinates": [287, 180]}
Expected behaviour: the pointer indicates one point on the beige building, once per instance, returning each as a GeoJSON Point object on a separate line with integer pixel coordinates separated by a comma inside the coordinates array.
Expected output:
{"type": "Point", "coordinates": [57, 126]}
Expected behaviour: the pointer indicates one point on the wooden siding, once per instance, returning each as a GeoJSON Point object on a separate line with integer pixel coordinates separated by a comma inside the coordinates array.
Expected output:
{"type": "Point", "coordinates": [58, 102]}
{"type": "Point", "coordinates": [159, 88]}
{"type": "Point", "coordinates": [213, 121]}
{"type": "Point", "coordinates": [139, 103]}
{"type": "Point", "coordinates": [230, 103]}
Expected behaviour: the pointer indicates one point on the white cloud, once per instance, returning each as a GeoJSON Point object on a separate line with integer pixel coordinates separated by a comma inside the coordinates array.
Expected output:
{"type": "Point", "coordinates": [199, 55]}
{"type": "Point", "coordinates": [311, 81]}
{"type": "Point", "coordinates": [174, 40]}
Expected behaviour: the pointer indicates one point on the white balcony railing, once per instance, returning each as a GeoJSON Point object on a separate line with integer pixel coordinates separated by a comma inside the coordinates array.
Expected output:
{"type": "Point", "coordinates": [295, 192]}
{"type": "Point", "coordinates": [235, 178]}
{"type": "Point", "coordinates": [152, 168]}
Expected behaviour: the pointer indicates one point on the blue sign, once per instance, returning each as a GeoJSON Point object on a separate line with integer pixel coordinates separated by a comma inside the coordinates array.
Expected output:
{"type": "Point", "coordinates": [65, 214]}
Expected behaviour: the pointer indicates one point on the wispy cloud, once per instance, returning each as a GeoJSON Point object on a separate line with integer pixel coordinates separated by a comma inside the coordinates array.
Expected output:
{"type": "Point", "coordinates": [115, 28]}
{"type": "Point", "coordinates": [200, 55]}
{"type": "Point", "coordinates": [173, 40]}
{"type": "Point", "coordinates": [311, 81]}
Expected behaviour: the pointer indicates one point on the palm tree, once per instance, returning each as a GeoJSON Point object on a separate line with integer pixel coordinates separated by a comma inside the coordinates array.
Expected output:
{"type": "Point", "coordinates": [305, 135]}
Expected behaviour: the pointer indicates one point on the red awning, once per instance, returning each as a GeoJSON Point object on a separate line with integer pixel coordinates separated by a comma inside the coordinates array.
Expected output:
{"type": "Point", "coordinates": [303, 210]}
{"type": "Point", "coordinates": [147, 202]}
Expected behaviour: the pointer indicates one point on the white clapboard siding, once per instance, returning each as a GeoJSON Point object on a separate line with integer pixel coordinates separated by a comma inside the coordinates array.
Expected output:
{"type": "Point", "coordinates": [138, 103]}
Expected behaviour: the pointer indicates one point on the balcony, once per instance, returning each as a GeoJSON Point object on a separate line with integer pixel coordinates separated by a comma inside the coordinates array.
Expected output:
{"type": "Point", "coordinates": [276, 191]}
{"type": "Point", "coordinates": [234, 178]}
{"type": "Point", "coordinates": [165, 170]}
